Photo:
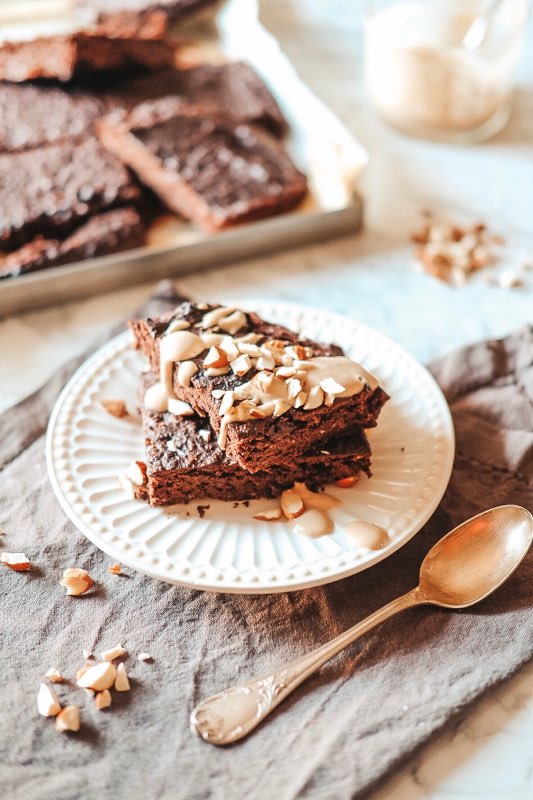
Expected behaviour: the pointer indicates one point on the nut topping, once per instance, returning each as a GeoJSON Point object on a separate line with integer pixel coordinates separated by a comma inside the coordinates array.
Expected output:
{"type": "Point", "coordinates": [68, 719]}
{"type": "Point", "coordinates": [216, 358]}
{"type": "Point", "coordinates": [241, 365]}
{"type": "Point", "coordinates": [122, 683]}
{"type": "Point", "coordinates": [99, 677]}
{"type": "Point", "coordinates": [186, 370]}
{"type": "Point", "coordinates": [314, 399]}
{"type": "Point", "coordinates": [117, 408]}
{"type": "Point", "coordinates": [136, 472]}
{"type": "Point", "coordinates": [115, 569]}
{"type": "Point", "coordinates": [179, 407]}
{"type": "Point", "coordinates": [347, 483]}
{"type": "Point", "coordinates": [113, 652]}
{"type": "Point", "coordinates": [54, 675]}
{"type": "Point", "coordinates": [103, 699]}
{"type": "Point", "coordinates": [15, 561]}
{"type": "Point", "coordinates": [76, 581]}
{"type": "Point", "coordinates": [270, 515]}
{"type": "Point", "coordinates": [48, 704]}
{"type": "Point", "coordinates": [292, 504]}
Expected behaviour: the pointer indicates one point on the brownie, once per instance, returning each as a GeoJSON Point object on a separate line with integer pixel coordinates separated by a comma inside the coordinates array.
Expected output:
{"type": "Point", "coordinates": [64, 57]}
{"type": "Point", "coordinates": [235, 86]}
{"type": "Point", "coordinates": [110, 232]}
{"type": "Point", "coordinates": [257, 443]}
{"type": "Point", "coordinates": [143, 19]}
{"type": "Point", "coordinates": [34, 114]}
{"type": "Point", "coordinates": [51, 189]}
{"type": "Point", "coordinates": [184, 464]}
{"type": "Point", "coordinates": [205, 165]}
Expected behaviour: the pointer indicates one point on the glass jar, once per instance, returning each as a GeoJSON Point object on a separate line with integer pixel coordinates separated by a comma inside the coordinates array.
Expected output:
{"type": "Point", "coordinates": [424, 81]}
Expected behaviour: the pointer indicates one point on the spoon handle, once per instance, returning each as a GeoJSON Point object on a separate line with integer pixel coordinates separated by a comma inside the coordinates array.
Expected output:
{"type": "Point", "coordinates": [229, 715]}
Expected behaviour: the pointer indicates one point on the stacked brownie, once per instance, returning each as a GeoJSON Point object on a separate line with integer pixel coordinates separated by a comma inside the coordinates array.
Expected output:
{"type": "Point", "coordinates": [95, 123]}
{"type": "Point", "coordinates": [235, 407]}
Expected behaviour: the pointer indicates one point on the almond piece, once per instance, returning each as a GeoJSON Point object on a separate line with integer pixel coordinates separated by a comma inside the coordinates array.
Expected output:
{"type": "Point", "coordinates": [205, 434]}
{"type": "Point", "coordinates": [115, 569]}
{"type": "Point", "coordinates": [179, 407]}
{"type": "Point", "coordinates": [54, 675]}
{"type": "Point", "coordinates": [330, 386]}
{"type": "Point", "coordinates": [99, 677]}
{"type": "Point", "coordinates": [177, 325]}
{"type": "Point", "coordinates": [15, 561]}
{"type": "Point", "coordinates": [265, 362]}
{"type": "Point", "coordinates": [112, 653]}
{"type": "Point", "coordinates": [68, 719]}
{"type": "Point", "coordinates": [248, 348]}
{"type": "Point", "coordinates": [103, 700]}
{"type": "Point", "coordinates": [241, 365]}
{"type": "Point", "coordinates": [280, 407]}
{"type": "Point", "coordinates": [87, 653]}
{"type": "Point", "coordinates": [117, 408]}
{"type": "Point", "coordinates": [320, 500]}
{"type": "Point", "coordinates": [227, 403]}
{"type": "Point", "coordinates": [300, 400]}
{"type": "Point", "coordinates": [186, 370]}
{"type": "Point", "coordinates": [48, 704]}
{"type": "Point", "coordinates": [82, 671]}
{"type": "Point", "coordinates": [314, 399]}
{"type": "Point", "coordinates": [136, 472]}
{"type": "Point", "coordinates": [209, 339]}
{"type": "Point", "coordinates": [294, 387]}
{"type": "Point", "coordinates": [213, 372]}
{"type": "Point", "coordinates": [233, 322]}
{"type": "Point", "coordinates": [274, 345]}
{"type": "Point", "coordinates": [122, 683]}
{"type": "Point", "coordinates": [347, 483]}
{"type": "Point", "coordinates": [292, 504]}
{"type": "Point", "coordinates": [144, 657]}
{"type": "Point", "coordinates": [229, 346]}
{"type": "Point", "coordinates": [76, 581]}
{"type": "Point", "coordinates": [216, 358]}
{"type": "Point", "coordinates": [269, 515]}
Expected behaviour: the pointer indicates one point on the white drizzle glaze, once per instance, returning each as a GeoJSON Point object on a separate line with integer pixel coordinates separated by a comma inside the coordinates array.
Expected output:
{"type": "Point", "coordinates": [367, 535]}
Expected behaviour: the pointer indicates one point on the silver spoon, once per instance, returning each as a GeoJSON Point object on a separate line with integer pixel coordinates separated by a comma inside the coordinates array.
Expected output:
{"type": "Point", "coordinates": [477, 31]}
{"type": "Point", "coordinates": [464, 567]}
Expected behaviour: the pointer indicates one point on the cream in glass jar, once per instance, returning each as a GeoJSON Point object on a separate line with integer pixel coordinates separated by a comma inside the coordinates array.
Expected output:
{"type": "Point", "coordinates": [423, 80]}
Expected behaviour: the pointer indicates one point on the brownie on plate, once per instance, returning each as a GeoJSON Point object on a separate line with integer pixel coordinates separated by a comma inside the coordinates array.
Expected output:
{"type": "Point", "coordinates": [51, 189]}
{"type": "Point", "coordinates": [109, 232]}
{"type": "Point", "coordinates": [64, 57]}
{"type": "Point", "coordinates": [267, 393]}
{"type": "Point", "coordinates": [205, 165]}
{"type": "Point", "coordinates": [184, 462]}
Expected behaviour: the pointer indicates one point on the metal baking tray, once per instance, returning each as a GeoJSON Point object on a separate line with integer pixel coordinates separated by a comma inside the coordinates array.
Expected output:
{"type": "Point", "coordinates": [319, 143]}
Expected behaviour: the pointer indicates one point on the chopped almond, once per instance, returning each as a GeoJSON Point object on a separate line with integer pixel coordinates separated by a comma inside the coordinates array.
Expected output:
{"type": "Point", "coordinates": [16, 561]}
{"type": "Point", "coordinates": [122, 683]}
{"type": "Point", "coordinates": [54, 675]}
{"type": "Point", "coordinates": [103, 699]}
{"type": "Point", "coordinates": [48, 704]}
{"type": "Point", "coordinates": [216, 358]}
{"type": "Point", "coordinates": [269, 515]}
{"type": "Point", "coordinates": [179, 407]}
{"type": "Point", "coordinates": [99, 677]}
{"type": "Point", "coordinates": [113, 652]}
{"type": "Point", "coordinates": [115, 569]}
{"type": "Point", "coordinates": [76, 581]}
{"type": "Point", "coordinates": [117, 408]}
{"type": "Point", "coordinates": [68, 719]}
{"type": "Point", "coordinates": [347, 483]}
{"type": "Point", "coordinates": [292, 504]}
{"type": "Point", "coordinates": [136, 472]}
{"type": "Point", "coordinates": [144, 657]}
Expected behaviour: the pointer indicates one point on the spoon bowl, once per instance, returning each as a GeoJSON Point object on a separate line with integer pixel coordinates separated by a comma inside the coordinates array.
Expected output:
{"type": "Point", "coordinates": [474, 559]}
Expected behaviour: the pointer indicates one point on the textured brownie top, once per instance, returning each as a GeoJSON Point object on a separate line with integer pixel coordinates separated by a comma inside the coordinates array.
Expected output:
{"type": "Point", "coordinates": [204, 164]}
{"type": "Point", "coordinates": [235, 88]}
{"type": "Point", "coordinates": [104, 233]}
{"type": "Point", "coordinates": [53, 187]}
{"type": "Point", "coordinates": [32, 115]}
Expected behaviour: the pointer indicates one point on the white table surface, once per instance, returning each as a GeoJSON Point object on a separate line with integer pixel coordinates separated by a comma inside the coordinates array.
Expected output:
{"type": "Point", "coordinates": [488, 753]}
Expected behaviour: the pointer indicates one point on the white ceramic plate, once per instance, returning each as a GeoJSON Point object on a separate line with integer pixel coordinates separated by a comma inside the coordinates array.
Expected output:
{"type": "Point", "coordinates": [227, 550]}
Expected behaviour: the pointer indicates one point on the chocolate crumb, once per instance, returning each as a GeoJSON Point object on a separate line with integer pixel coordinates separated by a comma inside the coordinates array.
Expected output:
{"type": "Point", "coordinates": [201, 510]}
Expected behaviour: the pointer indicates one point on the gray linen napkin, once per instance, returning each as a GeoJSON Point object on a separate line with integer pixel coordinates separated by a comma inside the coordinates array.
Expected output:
{"type": "Point", "coordinates": [341, 731]}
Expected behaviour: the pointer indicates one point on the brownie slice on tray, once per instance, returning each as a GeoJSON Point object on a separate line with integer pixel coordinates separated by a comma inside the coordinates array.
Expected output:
{"type": "Point", "coordinates": [268, 394]}
{"type": "Point", "coordinates": [51, 189]}
{"type": "Point", "coordinates": [109, 232]}
{"type": "Point", "coordinates": [234, 86]}
{"type": "Point", "coordinates": [81, 53]}
{"type": "Point", "coordinates": [184, 462]}
{"type": "Point", "coordinates": [146, 19]}
{"type": "Point", "coordinates": [205, 165]}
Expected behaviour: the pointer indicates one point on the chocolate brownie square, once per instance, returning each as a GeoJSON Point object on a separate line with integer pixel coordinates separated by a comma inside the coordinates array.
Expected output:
{"type": "Point", "coordinates": [49, 190]}
{"type": "Point", "coordinates": [205, 165]}
{"type": "Point", "coordinates": [144, 19]}
{"type": "Point", "coordinates": [267, 393]}
{"type": "Point", "coordinates": [110, 232]}
{"type": "Point", "coordinates": [82, 53]}
{"type": "Point", "coordinates": [184, 462]}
